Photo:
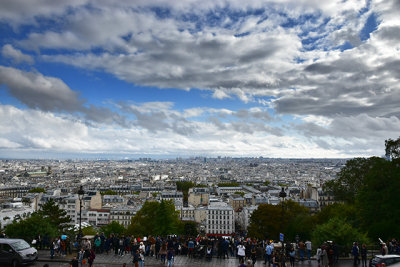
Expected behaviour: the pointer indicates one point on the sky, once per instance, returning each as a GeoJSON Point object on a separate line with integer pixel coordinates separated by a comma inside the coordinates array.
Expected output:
{"type": "Point", "coordinates": [168, 78]}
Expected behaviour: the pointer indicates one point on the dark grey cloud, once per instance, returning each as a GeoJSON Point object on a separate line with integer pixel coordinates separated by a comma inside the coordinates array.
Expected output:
{"type": "Point", "coordinates": [51, 94]}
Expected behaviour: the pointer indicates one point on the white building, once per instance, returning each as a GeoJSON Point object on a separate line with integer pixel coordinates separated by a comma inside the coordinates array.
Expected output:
{"type": "Point", "coordinates": [98, 217]}
{"type": "Point", "coordinates": [220, 219]}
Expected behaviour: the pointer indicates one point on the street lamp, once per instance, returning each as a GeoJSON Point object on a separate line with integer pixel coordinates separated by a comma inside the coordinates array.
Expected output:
{"type": "Point", "coordinates": [282, 195]}
{"type": "Point", "coordinates": [80, 196]}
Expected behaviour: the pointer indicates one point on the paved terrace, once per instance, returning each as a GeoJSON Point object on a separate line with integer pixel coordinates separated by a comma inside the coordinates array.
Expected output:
{"type": "Point", "coordinates": [104, 260]}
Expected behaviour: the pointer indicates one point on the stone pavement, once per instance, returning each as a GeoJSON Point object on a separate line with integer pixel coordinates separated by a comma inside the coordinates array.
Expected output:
{"type": "Point", "coordinates": [110, 260]}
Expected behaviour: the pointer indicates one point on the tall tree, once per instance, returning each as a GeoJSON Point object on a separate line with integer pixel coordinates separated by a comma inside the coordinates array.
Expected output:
{"type": "Point", "coordinates": [377, 200]}
{"type": "Point", "coordinates": [166, 221]}
{"type": "Point", "coordinates": [57, 216]}
{"type": "Point", "coordinates": [267, 221]}
{"type": "Point", "coordinates": [350, 178]}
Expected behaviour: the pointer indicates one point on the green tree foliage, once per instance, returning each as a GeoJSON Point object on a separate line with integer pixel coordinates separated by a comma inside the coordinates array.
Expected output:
{"type": "Point", "coordinates": [392, 148]}
{"type": "Point", "coordinates": [58, 217]}
{"type": "Point", "coordinates": [338, 210]}
{"type": "Point", "coordinates": [339, 231]}
{"type": "Point", "coordinates": [378, 199]}
{"type": "Point", "coordinates": [109, 192]}
{"type": "Point", "coordinates": [155, 218]}
{"type": "Point", "coordinates": [167, 219]}
{"type": "Point", "coordinates": [267, 221]}
{"type": "Point", "coordinates": [267, 183]}
{"type": "Point", "coordinates": [189, 228]}
{"type": "Point", "coordinates": [350, 179]}
{"type": "Point", "coordinates": [30, 227]}
{"type": "Point", "coordinates": [37, 190]}
{"type": "Point", "coordinates": [239, 193]}
{"type": "Point", "coordinates": [184, 187]}
{"type": "Point", "coordinates": [113, 228]}
{"type": "Point", "coordinates": [89, 230]}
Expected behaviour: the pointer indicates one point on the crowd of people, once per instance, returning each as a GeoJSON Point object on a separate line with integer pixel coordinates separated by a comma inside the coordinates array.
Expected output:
{"type": "Point", "coordinates": [248, 251]}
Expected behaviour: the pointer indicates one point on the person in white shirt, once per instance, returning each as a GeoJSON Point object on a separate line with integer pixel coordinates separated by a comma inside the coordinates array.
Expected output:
{"type": "Point", "coordinates": [241, 252]}
{"type": "Point", "coordinates": [308, 247]}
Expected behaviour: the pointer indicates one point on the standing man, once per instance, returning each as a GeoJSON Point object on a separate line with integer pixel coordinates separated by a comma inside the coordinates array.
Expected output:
{"type": "Point", "coordinates": [308, 247]}
{"type": "Point", "coordinates": [269, 249]}
{"type": "Point", "coordinates": [355, 251]}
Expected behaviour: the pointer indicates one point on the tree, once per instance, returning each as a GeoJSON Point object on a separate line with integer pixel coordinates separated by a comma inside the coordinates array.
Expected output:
{"type": "Point", "coordinates": [113, 228]}
{"type": "Point", "coordinates": [155, 218]}
{"type": "Point", "coordinates": [89, 230]}
{"type": "Point", "coordinates": [57, 217]}
{"type": "Point", "coordinates": [377, 200]}
{"type": "Point", "coordinates": [109, 192]}
{"type": "Point", "coordinates": [392, 148]}
{"type": "Point", "coordinates": [37, 190]}
{"type": "Point", "coordinates": [188, 228]}
{"type": "Point", "coordinates": [30, 227]}
{"type": "Point", "coordinates": [350, 178]}
{"type": "Point", "coordinates": [339, 231]}
{"type": "Point", "coordinates": [267, 221]}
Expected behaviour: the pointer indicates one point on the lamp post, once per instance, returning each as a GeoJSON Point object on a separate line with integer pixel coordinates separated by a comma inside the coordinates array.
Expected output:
{"type": "Point", "coordinates": [80, 196]}
{"type": "Point", "coordinates": [282, 195]}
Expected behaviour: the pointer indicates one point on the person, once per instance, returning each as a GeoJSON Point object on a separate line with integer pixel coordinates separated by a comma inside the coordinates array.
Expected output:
{"type": "Point", "coordinates": [191, 248]}
{"type": "Point", "coordinates": [241, 252]}
{"type": "Point", "coordinates": [268, 252]}
{"type": "Point", "coordinates": [170, 257]}
{"type": "Point", "coordinates": [123, 264]}
{"type": "Point", "coordinates": [249, 264]}
{"type": "Point", "coordinates": [254, 254]}
{"type": "Point", "coordinates": [292, 257]}
{"type": "Point", "coordinates": [308, 247]}
{"type": "Point", "coordinates": [242, 263]}
{"type": "Point", "coordinates": [301, 250]}
{"type": "Point", "coordinates": [52, 248]}
{"type": "Point", "coordinates": [74, 262]}
{"type": "Point", "coordinates": [81, 256]}
{"type": "Point", "coordinates": [209, 253]}
{"type": "Point", "coordinates": [141, 258]}
{"type": "Point", "coordinates": [136, 258]}
{"type": "Point", "coordinates": [97, 244]}
{"type": "Point", "coordinates": [91, 257]}
{"type": "Point", "coordinates": [318, 255]}
{"type": "Point", "coordinates": [364, 253]}
{"type": "Point", "coordinates": [163, 252]}
{"type": "Point", "coordinates": [274, 259]}
{"type": "Point", "coordinates": [355, 252]}
{"type": "Point", "coordinates": [46, 265]}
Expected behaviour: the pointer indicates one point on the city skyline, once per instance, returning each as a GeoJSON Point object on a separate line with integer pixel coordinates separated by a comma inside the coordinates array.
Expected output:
{"type": "Point", "coordinates": [164, 79]}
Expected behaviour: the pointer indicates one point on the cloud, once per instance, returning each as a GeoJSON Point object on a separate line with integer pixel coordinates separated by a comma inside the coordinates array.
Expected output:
{"type": "Point", "coordinates": [38, 91]}
{"type": "Point", "coordinates": [51, 94]}
{"type": "Point", "coordinates": [8, 51]}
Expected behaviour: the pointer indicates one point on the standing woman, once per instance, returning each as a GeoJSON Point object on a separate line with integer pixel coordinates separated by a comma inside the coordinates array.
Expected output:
{"type": "Point", "coordinates": [163, 252]}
